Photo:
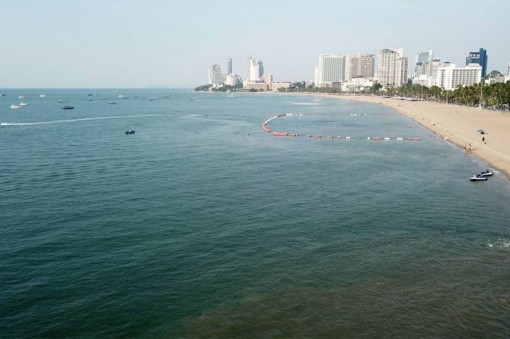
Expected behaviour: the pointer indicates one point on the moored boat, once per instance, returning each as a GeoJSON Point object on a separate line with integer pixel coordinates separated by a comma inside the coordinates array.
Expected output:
{"type": "Point", "coordinates": [14, 106]}
{"type": "Point", "coordinates": [478, 178]}
{"type": "Point", "coordinates": [131, 131]}
{"type": "Point", "coordinates": [68, 107]}
{"type": "Point", "coordinates": [486, 173]}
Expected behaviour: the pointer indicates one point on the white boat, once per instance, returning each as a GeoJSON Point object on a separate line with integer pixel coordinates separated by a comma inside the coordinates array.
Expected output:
{"type": "Point", "coordinates": [23, 104]}
{"type": "Point", "coordinates": [486, 173]}
{"type": "Point", "coordinates": [14, 106]}
{"type": "Point", "coordinates": [42, 96]}
{"type": "Point", "coordinates": [478, 177]}
{"type": "Point", "coordinates": [21, 97]}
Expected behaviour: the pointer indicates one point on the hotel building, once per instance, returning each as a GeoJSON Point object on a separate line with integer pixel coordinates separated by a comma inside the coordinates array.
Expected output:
{"type": "Point", "coordinates": [331, 69]}
{"type": "Point", "coordinates": [450, 77]}
{"type": "Point", "coordinates": [255, 69]}
{"type": "Point", "coordinates": [215, 76]}
{"type": "Point", "coordinates": [392, 67]}
{"type": "Point", "coordinates": [480, 58]}
{"type": "Point", "coordinates": [359, 66]}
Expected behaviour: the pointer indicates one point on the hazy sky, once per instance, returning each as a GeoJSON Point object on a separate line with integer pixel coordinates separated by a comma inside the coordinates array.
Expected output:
{"type": "Point", "coordinates": [139, 43]}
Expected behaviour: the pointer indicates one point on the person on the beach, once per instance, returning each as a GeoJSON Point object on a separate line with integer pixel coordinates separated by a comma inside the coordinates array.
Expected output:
{"type": "Point", "coordinates": [483, 139]}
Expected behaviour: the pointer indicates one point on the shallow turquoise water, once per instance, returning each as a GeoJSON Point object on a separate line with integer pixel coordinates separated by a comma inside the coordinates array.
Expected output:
{"type": "Point", "coordinates": [203, 225]}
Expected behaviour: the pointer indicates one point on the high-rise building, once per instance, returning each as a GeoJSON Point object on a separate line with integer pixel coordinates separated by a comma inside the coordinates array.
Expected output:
{"type": "Point", "coordinates": [366, 65]}
{"type": "Point", "coordinates": [233, 80]}
{"type": "Point", "coordinates": [351, 67]}
{"type": "Point", "coordinates": [255, 69]}
{"type": "Point", "coordinates": [432, 67]}
{"type": "Point", "coordinates": [229, 66]}
{"type": "Point", "coordinates": [392, 67]}
{"type": "Point", "coordinates": [450, 77]}
{"type": "Point", "coordinates": [215, 76]}
{"type": "Point", "coordinates": [480, 58]}
{"type": "Point", "coordinates": [359, 66]}
{"type": "Point", "coordinates": [331, 69]}
{"type": "Point", "coordinates": [422, 63]}
{"type": "Point", "coordinates": [424, 57]}
{"type": "Point", "coordinates": [261, 69]}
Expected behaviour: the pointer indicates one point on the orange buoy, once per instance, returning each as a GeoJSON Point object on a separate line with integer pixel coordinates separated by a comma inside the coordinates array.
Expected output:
{"type": "Point", "coordinates": [280, 134]}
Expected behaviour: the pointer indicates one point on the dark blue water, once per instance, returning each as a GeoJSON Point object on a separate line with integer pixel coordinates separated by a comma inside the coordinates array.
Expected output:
{"type": "Point", "coordinates": [203, 225]}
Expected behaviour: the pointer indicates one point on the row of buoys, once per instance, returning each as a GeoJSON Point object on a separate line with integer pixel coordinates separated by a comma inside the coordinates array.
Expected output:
{"type": "Point", "coordinates": [276, 133]}
{"type": "Point", "coordinates": [318, 136]}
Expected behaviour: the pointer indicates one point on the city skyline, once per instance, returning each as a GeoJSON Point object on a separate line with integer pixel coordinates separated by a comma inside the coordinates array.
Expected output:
{"type": "Point", "coordinates": [139, 44]}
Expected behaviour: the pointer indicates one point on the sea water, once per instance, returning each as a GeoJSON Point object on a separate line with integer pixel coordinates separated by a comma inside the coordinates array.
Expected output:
{"type": "Point", "coordinates": [203, 225]}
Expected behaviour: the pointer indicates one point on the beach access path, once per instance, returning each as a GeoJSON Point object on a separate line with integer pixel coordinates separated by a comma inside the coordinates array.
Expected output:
{"type": "Point", "coordinates": [458, 124]}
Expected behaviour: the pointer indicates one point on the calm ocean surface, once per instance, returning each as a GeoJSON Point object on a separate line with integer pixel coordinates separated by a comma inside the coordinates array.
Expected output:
{"type": "Point", "coordinates": [203, 225]}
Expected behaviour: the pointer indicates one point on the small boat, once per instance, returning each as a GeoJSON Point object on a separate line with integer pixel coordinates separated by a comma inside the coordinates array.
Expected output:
{"type": "Point", "coordinates": [42, 96]}
{"type": "Point", "coordinates": [131, 131]}
{"type": "Point", "coordinates": [67, 107]}
{"type": "Point", "coordinates": [478, 177]}
{"type": "Point", "coordinates": [3, 95]}
{"type": "Point", "coordinates": [22, 104]}
{"type": "Point", "coordinates": [14, 106]}
{"type": "Point", "coordinates": [21, 97]}
{"type": "Point", "coordinates": [486, 173]}
{"type": "Point", "coordinates": [112, 103]}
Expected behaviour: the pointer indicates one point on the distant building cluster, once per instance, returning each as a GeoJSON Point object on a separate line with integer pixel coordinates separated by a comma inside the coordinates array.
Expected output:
{"type": "Point", "coordinates": [337, 70]}
{"type": "Point", "coordinates": [218, 79]}
{"type": "Point", "coordinates": [354, 73]}
{"type": "Point", "coordinates": [256, 80]}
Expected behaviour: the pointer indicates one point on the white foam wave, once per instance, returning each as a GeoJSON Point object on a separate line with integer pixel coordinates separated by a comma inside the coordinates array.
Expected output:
{"type": "Point", "coordinates": [80, 119]}
{"type": "Point", "coordinates": [305, 103]}
{"type": "Point", "coordinates": [500, 244]}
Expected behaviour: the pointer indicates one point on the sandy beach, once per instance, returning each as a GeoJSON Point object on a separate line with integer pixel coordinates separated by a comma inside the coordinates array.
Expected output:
{"type": "Point", "coordinates": [458, 124]}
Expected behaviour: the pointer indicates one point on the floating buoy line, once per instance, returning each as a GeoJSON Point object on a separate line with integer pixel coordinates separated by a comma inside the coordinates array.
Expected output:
{"type": "Point", "coordinates": [266, 129]}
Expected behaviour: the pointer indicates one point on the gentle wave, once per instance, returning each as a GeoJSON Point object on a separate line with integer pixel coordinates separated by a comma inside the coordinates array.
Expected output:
{"type": "Point", "coordinates": [306, 103]}
{"type": "Point", "coordinates": [81, 119]}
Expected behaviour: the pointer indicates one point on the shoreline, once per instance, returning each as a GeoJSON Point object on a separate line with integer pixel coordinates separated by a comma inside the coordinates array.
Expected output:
{"type": "Point", "coordinates": [459, 125]}
{"type": "Point", "coordinates": [454, 123]}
